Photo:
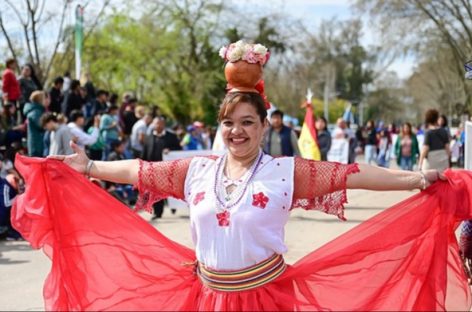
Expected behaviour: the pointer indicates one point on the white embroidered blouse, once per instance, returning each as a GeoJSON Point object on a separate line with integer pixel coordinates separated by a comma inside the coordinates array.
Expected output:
{"type": "Point", "coordinates": [252, 230]}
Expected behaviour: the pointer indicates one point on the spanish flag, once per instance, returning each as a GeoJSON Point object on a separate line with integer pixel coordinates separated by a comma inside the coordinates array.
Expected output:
{"type": "Point", "coordinates": [308, 141]}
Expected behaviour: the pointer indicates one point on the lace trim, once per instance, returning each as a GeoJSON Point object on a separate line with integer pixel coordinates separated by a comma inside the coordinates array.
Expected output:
{"type": "Point", "coordinates": [332, 202]}
{"type": "Point", "coordinates": [152, 188]}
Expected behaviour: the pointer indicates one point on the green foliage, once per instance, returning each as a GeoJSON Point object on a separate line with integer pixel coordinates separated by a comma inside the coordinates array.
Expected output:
{"type": "Point", "coordinates": [336, 108]}
{"type": "Point", "coordinates": [153, 59]}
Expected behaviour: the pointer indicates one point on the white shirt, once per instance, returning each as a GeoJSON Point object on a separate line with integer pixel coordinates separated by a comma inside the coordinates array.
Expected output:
{"type": "Point", "coordinates": [138, 128]}
{"type": "Point", "coordinates": [254, 233]}
{"type": "Point", "coordinates": [83, 138]}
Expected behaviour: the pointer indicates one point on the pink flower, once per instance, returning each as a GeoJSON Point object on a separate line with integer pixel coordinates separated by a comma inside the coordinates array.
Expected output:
{"type": "Point", "coordinates": [251, 57]}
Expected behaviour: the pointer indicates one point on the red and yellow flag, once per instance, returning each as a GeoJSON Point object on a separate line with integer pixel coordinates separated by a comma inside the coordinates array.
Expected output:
{"type": "Point", "coordinates": [308, 141]}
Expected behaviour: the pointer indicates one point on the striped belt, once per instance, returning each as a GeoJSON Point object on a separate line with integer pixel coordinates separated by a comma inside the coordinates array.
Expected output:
{"type": "Point", "coordinates": [248, 278]}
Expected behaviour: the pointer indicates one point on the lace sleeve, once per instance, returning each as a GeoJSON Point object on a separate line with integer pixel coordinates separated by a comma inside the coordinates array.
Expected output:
{"type": "Point", "coordinates": [321, 185]}
{"type": "Point", "coordinates": [159, 180]}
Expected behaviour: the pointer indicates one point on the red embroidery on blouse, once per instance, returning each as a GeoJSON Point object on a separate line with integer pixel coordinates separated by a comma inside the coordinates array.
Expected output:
{"type": "Point", "coordinates": [260, 200]}
{"type": "Point", "coordinates": [223, 218]}
{"type": "Point", "coordinates": [198, 198]}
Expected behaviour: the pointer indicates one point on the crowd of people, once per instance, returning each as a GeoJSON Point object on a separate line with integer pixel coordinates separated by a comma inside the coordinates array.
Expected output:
{"type": "Point", "coordinates": [432, 145]}
{"type": "Point", "coordinates": [39, 122]}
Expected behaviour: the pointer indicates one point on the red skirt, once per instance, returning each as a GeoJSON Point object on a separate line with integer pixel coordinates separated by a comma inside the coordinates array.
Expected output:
{"type": "Point", "coordinates": [106, 257]}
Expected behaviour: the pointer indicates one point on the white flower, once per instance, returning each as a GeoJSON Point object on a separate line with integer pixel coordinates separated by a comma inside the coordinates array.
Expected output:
{"type": "Point", "coordinates": [260, 49]}
{"type": "Point", "coordinates": [222, 52]}
{"type": "Point", "coordinates": [239, 43]}
{"type": "Point", "coordinates": [235, 54]}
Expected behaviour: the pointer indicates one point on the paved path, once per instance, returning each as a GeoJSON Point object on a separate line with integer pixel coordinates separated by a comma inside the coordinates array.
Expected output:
{"type": "Point", "coordinates": [23, 270]}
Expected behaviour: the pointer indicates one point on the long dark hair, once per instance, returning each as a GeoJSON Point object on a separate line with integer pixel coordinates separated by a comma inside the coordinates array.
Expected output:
{"type": "Point", "coordinates": [325, 122]}
{"type": "Point", "coordinates": [34, 77]}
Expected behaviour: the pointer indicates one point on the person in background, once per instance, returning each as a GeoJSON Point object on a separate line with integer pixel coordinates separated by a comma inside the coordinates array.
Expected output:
{"type": "Point", "coordinates": [73, 99]}
{"type": "Point", "coordinates": [340, 130]}
{"type": "Point", "coordinates": [67, 82]}
{"type": "Point", "coordinates": [95, 151]}
{"type": "Point", "coordinates": [86, 81]}
{"type": "Point", "coordinates": [8, 191]}
{"type": "Point", "coordinates": [118, 151]}
{"type": "Point", "coordinates": [76, 125]}
{"type": "Point", "coordinates": [351, 136]}
{"type": "Point", "coordinates": [122, 192]}
{"type": "Point", "coordinates": [158, 143]}
{"type": "Point", "coordinates": [95, 106]}
{"type": "Point", "coordinates": [406, 148]}
{"type": "Point", "coordinates": [27, 85]}
{"type": "Point", "coordinates": [435, 152]}
{"type": "Point", "coordinates": [443, 123]}
{"type": "Point", "coordinates": [109, 129]}
{"type": "Point", "coordinates": [385, 144]}
{"type": "Point", "coordinates": [191, 140]}
{"type": "Point", "coordinates": [6, 166]}
{"type": "Point", "coordinates": [129, 117]}
{"type": "Point", "coordinates": [324, 137]}
{"type": "Point", "coordinates": [138, 133]}
{"type": "Point", "coordinates": [462, 146]}
{"type": "Point", "coordinates": [35, 132]}
{"type": "Point", "coordinates": [125, 102]}
{"type": "Point", "coordinates": [112, 100]}
{"type": "Point", "coordinates": [10, 86]}
{"type": "Point", "coordinates": [371, 142]}
{"type": "Point", "coordinates": [280, 139]}
{"type": "Point", "coordinates": [9, 127]}
{"type": "Point", "coordinates": [207, 137]}
{"type": "Point", "coordinates": [56, 95]}
{"type": "Point", "coordinates": [60, 134]}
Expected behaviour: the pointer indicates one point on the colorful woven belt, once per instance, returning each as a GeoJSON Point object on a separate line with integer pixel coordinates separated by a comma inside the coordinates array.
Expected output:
{"type": "Point", "coordinates": [248, 278]}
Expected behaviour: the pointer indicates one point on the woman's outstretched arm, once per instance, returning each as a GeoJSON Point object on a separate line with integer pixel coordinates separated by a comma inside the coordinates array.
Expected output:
{"type": "Point", "coordinates": [120, 171]}
{"type": "Point", "coordinates": [381, 179]}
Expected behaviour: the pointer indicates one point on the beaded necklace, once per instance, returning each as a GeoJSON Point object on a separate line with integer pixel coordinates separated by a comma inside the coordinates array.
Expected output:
{"type": "Point", "coordinates": [230, 201]}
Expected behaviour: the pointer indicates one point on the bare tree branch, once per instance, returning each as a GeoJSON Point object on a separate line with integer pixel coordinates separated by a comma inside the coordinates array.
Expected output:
{"type": "Point", "coordinates": [59, 38]}
{"type": "Point", "coordinates": [17, 12]}
{"type": "Point", "coordinates": [97, 19]}
{"type": "Point", "coordinates": [7, 37]}
{"type": "Point", "coordinates": [32, 13]}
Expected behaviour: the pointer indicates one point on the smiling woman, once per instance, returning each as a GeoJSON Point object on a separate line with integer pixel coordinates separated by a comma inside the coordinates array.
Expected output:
{"type": "Point", "coordinates": [243, 121]}
{"type": "Point", "coordinates": [106, 257]}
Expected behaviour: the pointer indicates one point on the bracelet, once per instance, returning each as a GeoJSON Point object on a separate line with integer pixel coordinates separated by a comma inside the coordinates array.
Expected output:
{"type": "Point", "coordinates": [423, 180]}
{"type": "Point", "coordinates": [88, 168]}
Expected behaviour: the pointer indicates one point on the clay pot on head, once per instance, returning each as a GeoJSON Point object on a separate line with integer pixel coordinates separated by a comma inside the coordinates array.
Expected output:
{"type": "Point", "coordinates": [243, 76]}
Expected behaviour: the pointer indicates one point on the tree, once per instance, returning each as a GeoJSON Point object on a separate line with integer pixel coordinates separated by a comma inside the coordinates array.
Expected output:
{"type": "Point", "coordinates": [164, 55]}
{"type": "Point", "coordinates": [34, 18]}
{"type": "Point", "coordinates": [413, 24]}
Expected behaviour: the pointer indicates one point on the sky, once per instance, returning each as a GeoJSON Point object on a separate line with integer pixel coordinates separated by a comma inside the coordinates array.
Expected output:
{"type": "Point", "coordinates": [312, 12]}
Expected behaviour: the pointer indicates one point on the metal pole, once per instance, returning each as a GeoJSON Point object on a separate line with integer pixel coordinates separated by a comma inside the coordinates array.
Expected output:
{"type": "Point", "coordinates": [468, 146]}
{"type": "Point", "coordinates": [326, 96]}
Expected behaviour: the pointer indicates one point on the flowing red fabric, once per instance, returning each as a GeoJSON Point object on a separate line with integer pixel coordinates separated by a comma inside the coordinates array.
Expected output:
{"type": "Point", "coordinates": [106, 257]}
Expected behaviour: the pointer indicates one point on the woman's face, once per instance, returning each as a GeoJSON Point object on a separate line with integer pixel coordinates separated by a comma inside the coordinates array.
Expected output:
{"type": "Point", "coordinates": [320, 125]}
{"type": "Point", "coordinates": [441, 122]}
{"type": "Point", "coordinates": [243, 131]}
{"type": "Point", "coordinates": [26, 71]}
{"type": "Point", "coordinates": [406, 130]}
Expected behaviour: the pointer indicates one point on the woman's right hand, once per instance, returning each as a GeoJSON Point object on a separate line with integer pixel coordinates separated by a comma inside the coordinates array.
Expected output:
{"type": "Point", "coordinates": [77, 161]}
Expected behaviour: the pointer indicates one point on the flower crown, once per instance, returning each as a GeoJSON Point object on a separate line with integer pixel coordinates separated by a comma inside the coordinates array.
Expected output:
{"type": "Point", "coordinates": [240, 50]}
